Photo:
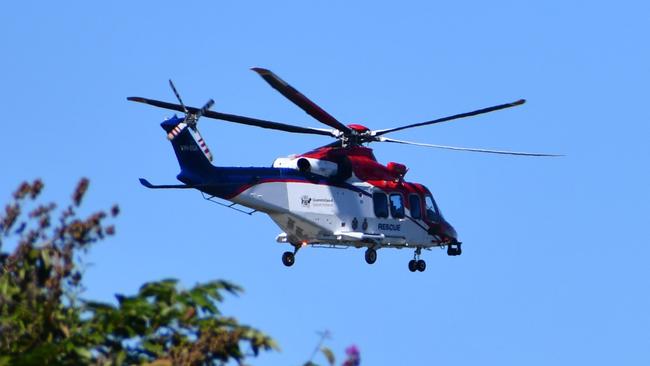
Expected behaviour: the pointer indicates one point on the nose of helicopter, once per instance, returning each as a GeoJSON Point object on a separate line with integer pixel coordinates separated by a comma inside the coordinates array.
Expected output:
{"type": "Point", "coordinates": [450, 231]}
{"type": "Point", "coordinates": [444, 229]}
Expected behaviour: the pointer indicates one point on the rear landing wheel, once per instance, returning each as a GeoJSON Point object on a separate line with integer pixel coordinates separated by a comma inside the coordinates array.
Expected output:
{"type": "Point", "coordinates": [413, 265]}
{"type": "Point", "coordinates": [288, 259]}
{"type": "Point", "coordinates": [421, 265]}
{"type": "Point", "coordinates": [371, 256]}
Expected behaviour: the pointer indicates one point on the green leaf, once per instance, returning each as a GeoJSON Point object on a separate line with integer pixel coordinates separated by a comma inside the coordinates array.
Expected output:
{"type": "Point", "coordinates": [154, 348]}
{"type": "Point", "coordinates": [47, 260]}
{"type": "Point", "coordinates": [120, 358]}
{"type": "Point", "coordinates": [199, 298]}
{"type": "Point", "coordinates": [84, 353]}
{"type": "Point", "coordinates": [34, 254]}
{"type": "Point", "coordinates": [97, 306]}
{"type": "Point", "coordinates": [329, 355]}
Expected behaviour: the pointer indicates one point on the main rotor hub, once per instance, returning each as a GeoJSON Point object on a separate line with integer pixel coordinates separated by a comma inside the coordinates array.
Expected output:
{"type": "Point", "coordinates": [358, 128]}
{"type": "Point", "coordinates": [359, 134]}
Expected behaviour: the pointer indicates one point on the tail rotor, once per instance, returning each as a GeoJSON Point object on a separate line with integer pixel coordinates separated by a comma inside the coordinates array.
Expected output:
{"type": "Point", "coordinates": [191, 118]}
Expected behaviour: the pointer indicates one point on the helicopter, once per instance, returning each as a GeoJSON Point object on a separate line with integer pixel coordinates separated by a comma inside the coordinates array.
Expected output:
{"type": "Point", "coordinates": [335, 196]}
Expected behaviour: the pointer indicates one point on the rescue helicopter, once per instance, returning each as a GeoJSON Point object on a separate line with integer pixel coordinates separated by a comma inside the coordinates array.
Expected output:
{"type": "Point", "coordinates": [335, 196]}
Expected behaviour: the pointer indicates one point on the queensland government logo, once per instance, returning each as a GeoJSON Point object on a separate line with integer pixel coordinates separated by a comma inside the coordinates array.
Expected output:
{"type": "Point", "coordinates": [305, 201]}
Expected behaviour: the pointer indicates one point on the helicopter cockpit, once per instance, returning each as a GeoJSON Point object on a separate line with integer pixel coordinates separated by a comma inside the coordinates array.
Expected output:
{"type": "Point", "coordinates": [394, 205]}
{"type": "Point", "coordinates": [431, 208]}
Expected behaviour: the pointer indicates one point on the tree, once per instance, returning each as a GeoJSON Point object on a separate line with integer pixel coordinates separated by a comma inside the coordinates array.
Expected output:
{"type": "Point", "coordinates": [43, 321]}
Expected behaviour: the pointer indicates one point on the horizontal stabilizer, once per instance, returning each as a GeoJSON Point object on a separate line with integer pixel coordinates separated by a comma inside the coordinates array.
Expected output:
{"type": "Point", "coordinates": [148, 184]}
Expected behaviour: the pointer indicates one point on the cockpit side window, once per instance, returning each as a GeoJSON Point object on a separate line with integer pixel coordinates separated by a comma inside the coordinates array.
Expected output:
{"type": "Point", "coordinates": [431, 208]}
{"type": "Point", "coordinates": [397, 205]}
{"type": "Point", "coordinates": [380, 203]}
{"type": "Point", "coordinates": [416, 206]}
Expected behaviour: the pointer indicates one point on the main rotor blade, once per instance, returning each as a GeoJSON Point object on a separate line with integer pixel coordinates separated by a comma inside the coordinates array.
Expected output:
{"type": "Point", "coordinates": [300, 100]}
{"type": "Point", "coordinates": [235, 118]}
{"type": "Point", "coordinates": [386, 139]}
{"type": "Point", "coordinates": [455, 116]}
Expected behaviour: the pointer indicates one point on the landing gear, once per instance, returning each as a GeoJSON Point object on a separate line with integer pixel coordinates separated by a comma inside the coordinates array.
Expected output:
{"type": "Point", "coordinates": [288, 259]}
{"type": "Point", "coordinates": [454, 249]}
{"type": "Point", "coordinates": [422, 265]}
{"type": "Point", "coordinates": [371, 256]}
{"type": "Point", "coordinates": [413, 265]}
{"type": "Point", "coordinates": [417, 264]}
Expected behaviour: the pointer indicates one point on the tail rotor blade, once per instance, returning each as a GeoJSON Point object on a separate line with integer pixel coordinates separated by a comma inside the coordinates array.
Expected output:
{"type": "Point", "coordinates": [205, 108]}
{"type": "Point", "coordinates": [178, 96]}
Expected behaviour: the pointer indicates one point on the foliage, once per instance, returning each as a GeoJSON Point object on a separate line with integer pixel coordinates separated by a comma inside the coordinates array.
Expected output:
{"type": "Point", "coordinates": [42, 320]}
{"type": "Point", "coordinates": [352, 352]}
{"type": "Point", "coordinates": [173, 327]}
{"type": "Point", "coordinates": [353, 357]}
{"type": "Point", "coordinates": [327, 353]}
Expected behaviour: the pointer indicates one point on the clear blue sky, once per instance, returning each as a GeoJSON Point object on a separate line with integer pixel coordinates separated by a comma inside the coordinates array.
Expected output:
{"type": "Point", "coordinates": [555, 263]}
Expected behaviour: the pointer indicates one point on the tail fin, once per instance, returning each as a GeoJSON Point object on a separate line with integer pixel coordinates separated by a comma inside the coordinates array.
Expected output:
{"type": "Point", "coordinates": [192, 153]}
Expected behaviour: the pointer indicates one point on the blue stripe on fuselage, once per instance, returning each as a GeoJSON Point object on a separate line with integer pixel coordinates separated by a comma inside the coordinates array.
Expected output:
{"type": "Point", "coordinates": [226, 182]}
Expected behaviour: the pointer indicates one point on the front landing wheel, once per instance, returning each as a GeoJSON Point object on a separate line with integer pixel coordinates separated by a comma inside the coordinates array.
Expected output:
{"type": "Point", "coordinates": [371, 256]}
{"type": "Point", "coordinates": [288, 259]}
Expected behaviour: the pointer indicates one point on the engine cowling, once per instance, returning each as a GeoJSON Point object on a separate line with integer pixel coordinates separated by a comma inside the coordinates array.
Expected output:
{"type": "Point", "coordinates": [397, 169]}
{"type": "Point", "coordinates": [308, 165]}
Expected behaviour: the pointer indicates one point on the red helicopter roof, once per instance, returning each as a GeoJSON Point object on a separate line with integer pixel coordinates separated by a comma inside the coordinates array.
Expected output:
{"type": "Point", "coordinates": [363, 163]}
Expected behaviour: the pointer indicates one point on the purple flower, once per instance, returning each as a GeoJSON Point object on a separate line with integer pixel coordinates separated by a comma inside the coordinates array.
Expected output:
{"type": "Point", "coordinates": [354, 358]}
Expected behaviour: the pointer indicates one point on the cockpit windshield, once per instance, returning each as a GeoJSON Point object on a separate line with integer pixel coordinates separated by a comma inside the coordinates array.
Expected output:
{"type": "Point", "coordinates": [433, 214]}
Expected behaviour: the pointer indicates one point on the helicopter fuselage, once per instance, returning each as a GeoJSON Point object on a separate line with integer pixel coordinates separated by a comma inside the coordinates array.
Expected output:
{"type": "Point", "coordinates": [333, 196]}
